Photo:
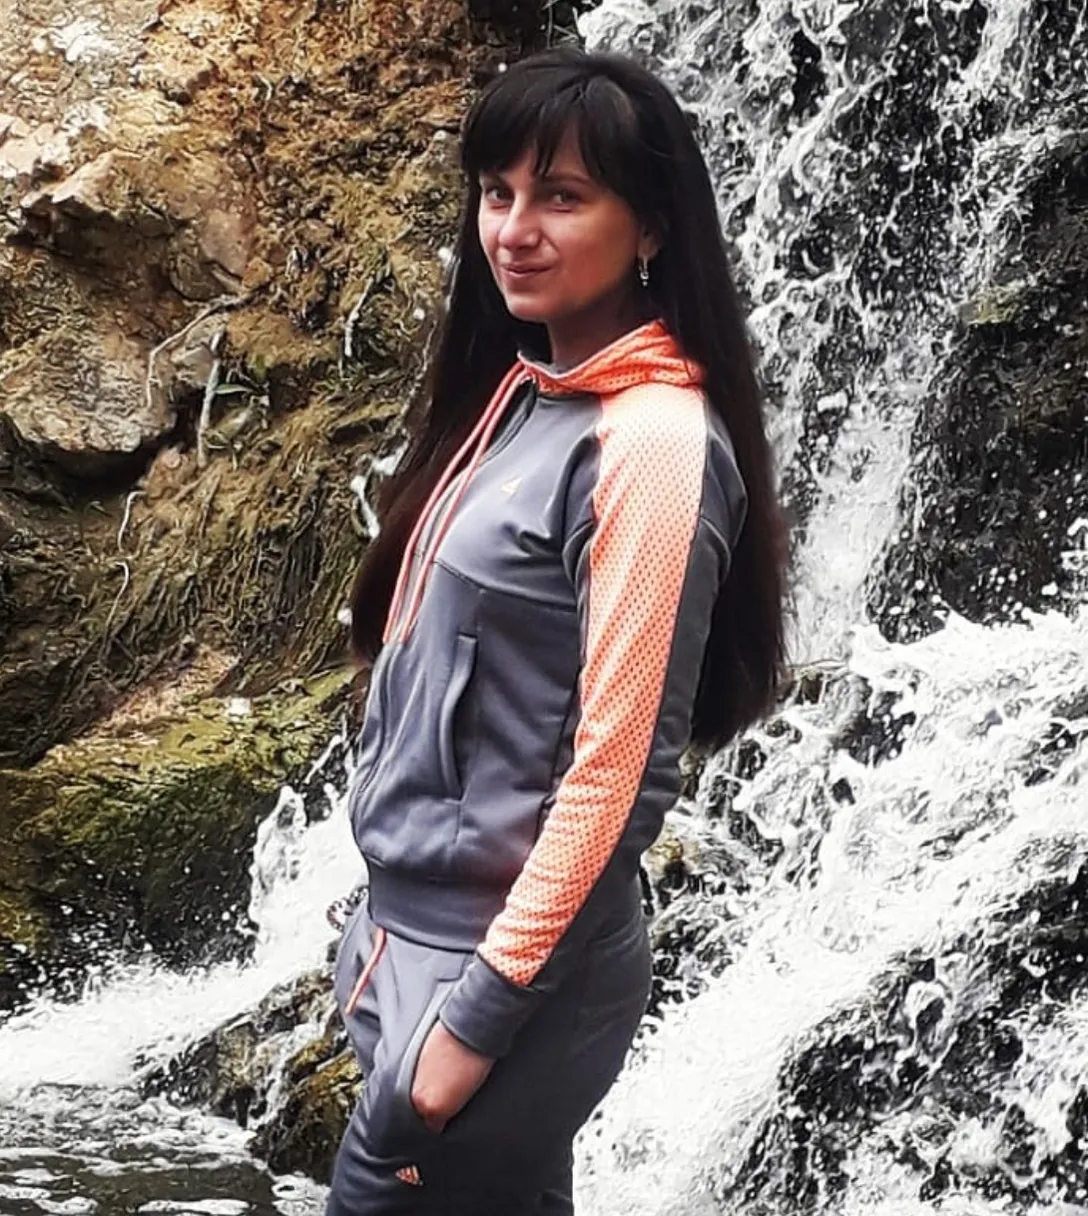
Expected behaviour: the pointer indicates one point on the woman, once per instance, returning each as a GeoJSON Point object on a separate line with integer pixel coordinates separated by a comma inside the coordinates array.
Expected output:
{"type": "Point", "coordinates": [578, 575]}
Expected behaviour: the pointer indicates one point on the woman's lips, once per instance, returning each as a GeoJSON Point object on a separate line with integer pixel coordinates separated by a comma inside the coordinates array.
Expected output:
{"type": "Point", "coordinates": [520, 273]}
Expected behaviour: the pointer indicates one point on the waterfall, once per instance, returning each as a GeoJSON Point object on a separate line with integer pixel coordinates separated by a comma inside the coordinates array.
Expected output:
{"type": "Point", "coordinates": [892, 866]}
{"type": "Point", "coordinates": [872, 161]}
{"type": "Point", "coordinates": [873, 164]}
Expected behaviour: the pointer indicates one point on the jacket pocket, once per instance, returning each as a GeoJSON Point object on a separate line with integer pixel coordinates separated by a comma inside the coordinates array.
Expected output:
{"type": "Point", "coordinates": [453, 700]}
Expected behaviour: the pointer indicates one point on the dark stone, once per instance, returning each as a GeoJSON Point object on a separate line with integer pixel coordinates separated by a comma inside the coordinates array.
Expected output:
{"type": "Point", "coordinates": [236, 1069]}
{"type": "Point", "coordinates": [1064, 734]}
{"type": "Point", "coordinates": [322, 1087]}
{"type": "Point", "coordinates": [232, 1071]}
{"type": "Point", "coordinates": [1003, 457]}
{"type": "Point", "coordinates": [811, 83]}
{"type": "Point", "coordinates": [529, 24]}
{"type": "Point", "coordinates": [937, 1039]}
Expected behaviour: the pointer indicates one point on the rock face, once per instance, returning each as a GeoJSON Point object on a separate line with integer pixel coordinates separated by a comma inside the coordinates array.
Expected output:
{"type": "Point", "coordinates": [1001, 493]}
{"type": "Point", "coordinates": [941, 1062]}
{"type": "Point", "coordinates": [320, 1086]}
{"type": "Point", "coordinates": [220, 224]}
{"type": "Point", "coordinates": [220, 228]}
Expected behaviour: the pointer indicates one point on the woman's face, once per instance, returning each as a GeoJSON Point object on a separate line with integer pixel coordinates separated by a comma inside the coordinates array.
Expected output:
{"type": "Point", "coordinates": [562, 247]}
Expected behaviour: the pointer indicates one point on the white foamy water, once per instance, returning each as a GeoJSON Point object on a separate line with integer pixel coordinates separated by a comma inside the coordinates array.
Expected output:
{"type": "Point", "coordinates": [932, 847]}
{"type": "Point", "coordinates": [858, 866]}
{"type": "Point", "coordinates": [853, 304]}
{"type": "Point", "coordinates": [139, 1012]}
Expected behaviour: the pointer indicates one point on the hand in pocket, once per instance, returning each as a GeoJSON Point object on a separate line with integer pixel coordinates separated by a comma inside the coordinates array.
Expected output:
{"type": "Point", "coordinates": [447, 1075]}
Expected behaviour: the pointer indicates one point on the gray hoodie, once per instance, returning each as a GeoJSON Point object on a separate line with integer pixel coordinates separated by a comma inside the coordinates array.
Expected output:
{"type": "Point", "coordinates": [527, 714]}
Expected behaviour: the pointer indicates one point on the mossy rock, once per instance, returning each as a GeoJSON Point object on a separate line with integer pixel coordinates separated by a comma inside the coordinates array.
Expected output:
{"type": "Point", "coordinates": [142, 835]}
{"type": "Point", "coordinates": [305, 1132]}
{"type": "Point", "coordinates": [298, 1106]}
{"type": "Point", "coordinates": [232, 1070]}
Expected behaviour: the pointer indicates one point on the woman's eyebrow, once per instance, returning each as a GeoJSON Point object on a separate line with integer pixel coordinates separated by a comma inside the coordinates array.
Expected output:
{"type": "Point", "coordinates": [551, 179]}
{"type": "Point", "coordinates": [544, 179]}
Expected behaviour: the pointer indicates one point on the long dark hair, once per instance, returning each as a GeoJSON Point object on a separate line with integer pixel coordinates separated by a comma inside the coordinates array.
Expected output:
{"type": "Point", "coordinates": [635, 140]}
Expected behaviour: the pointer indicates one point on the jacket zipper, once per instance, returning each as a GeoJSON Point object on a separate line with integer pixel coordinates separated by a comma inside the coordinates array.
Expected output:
{"type": "Point", "coordinates": [409, 590]}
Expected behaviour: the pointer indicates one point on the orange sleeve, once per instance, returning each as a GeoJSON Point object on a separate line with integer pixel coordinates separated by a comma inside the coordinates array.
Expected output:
{"type": "Point", "coordinates": [652, 453]}
{"type": "Point", "coordinates": [647, 568]}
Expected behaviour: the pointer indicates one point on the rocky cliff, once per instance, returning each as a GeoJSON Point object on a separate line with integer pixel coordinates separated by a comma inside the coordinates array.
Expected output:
{"type": "Point", "coordinates": [222, 229]}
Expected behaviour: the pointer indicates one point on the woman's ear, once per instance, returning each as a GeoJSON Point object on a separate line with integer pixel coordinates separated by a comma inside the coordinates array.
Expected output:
{"type": "Point", "coordinates": [649, 243]}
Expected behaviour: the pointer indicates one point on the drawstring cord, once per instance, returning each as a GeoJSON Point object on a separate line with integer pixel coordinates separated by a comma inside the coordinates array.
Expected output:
{"type": "Point", "coordinates": [646, 354]}
{"type": "Point", "coordinates": [398, 625]}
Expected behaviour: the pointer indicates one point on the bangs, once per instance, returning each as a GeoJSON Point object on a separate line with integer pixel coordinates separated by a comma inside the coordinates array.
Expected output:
{"type": "Point", "coordinates": [536, 105]}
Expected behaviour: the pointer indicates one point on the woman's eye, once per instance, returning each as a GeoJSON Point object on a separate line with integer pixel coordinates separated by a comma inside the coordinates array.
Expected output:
{"type": "Point", "coordinates": [564, 197]}
{"type": "Point", "coordinates": [494, 193]}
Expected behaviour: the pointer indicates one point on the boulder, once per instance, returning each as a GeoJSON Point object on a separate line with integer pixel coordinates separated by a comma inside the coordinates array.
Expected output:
{"type": "Point", "coordinates": [140, 834]}
{"type": "Point", "coordinates": [295, 1099]}
{"type": "Point", "coordinates": [1000, 492]}
{"type": "Point", "coordinates": [78, 396]}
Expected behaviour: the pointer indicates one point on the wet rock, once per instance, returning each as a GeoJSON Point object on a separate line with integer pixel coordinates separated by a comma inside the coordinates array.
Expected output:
{"type": "Point", "coordinates": [941, 1070]}
{"type": "Point", "coordinates": [719, 851]}
{"type": "Point", "coordinates": [530, 23]}
{"type": "Point", "coordinates": [285, 1070]}
{"type": "Point", "coordinates": [875, 726]}
{"type": "Point", "coordinates": [1064, 734]}
{"type": "Point", "coordinates": [1001, 492]}
{"type": "Point", "coordinates": [141, 834]}
{"type": "Point", "coordinates": [320, 1086]}
{"type": "Point", "coordinates": [233, 1070]}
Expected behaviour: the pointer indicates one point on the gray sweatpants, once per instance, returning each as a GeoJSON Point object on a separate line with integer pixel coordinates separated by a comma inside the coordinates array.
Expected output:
{"type": "Point", "coordinates": [508, 1152]}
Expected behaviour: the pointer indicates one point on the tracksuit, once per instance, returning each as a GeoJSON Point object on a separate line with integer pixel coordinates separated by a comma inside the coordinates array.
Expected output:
{"type": "Point", "coordinates": [520, 747]}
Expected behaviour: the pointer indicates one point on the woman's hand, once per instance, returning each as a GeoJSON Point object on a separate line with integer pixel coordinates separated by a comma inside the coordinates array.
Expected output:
{"type": "Point", "coordinates": [447, 1075]}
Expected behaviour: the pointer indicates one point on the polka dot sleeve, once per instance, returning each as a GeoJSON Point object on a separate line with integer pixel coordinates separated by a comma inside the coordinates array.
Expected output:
{"type": "Point", "coordinates": [647, 569]}
{"type": "Point", "coordinates": [646, 502]}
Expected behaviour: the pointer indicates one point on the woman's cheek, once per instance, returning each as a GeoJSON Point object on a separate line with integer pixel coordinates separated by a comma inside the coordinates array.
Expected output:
{"type": "Point", "coordinates": [487, 231]}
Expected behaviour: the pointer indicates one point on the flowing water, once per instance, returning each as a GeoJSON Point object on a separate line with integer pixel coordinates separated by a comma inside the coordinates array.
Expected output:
{"type": "Point", "coordinates": [892, 868]}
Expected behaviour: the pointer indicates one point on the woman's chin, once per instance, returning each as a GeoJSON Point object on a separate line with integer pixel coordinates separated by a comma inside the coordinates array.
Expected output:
{"type": "Point", "coordinates": [525, 308]}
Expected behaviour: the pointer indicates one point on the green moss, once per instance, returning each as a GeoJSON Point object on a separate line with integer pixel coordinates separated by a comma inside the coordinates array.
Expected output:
{"type": "Point", "coordinates": [149, 830]}
{"type": "Point", "coordinates": [304, 1134]}
{"type": "Point", "coordinates": [999, 304]}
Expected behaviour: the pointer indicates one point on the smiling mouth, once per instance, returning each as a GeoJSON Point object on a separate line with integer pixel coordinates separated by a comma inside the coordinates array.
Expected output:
{"type": "Point", "coordinates": [523, 272]}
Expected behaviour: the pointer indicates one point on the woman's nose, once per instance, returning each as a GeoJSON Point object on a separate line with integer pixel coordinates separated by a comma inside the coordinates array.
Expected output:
{"type": "Point", "coordinates": [519, 228]}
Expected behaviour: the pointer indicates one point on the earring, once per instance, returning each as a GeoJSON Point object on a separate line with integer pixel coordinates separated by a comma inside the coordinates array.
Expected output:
{"type": "Point", "coordinates": [644, 272]}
